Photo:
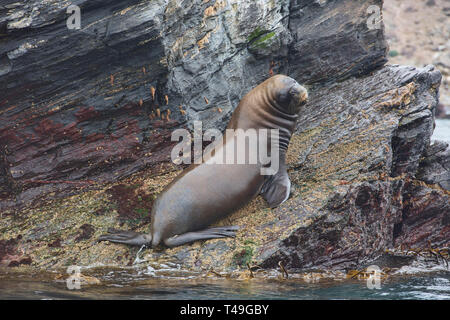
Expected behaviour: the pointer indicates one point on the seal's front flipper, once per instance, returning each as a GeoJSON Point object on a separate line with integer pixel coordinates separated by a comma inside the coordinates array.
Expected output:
{"type": "Point", "coordinates": [212, 233]}
{"type": "Point", "coordinates": [276, 188]}
{"type": "Point", "coordinates": [126, 237]}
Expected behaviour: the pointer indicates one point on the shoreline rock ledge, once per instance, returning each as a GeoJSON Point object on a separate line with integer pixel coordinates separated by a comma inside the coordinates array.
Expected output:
{"type": "Point", "coordinates": [86, 117]}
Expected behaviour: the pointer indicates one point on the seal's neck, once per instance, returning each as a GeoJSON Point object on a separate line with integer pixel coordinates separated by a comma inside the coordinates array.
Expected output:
{"type": "Point", "coordinates": [272, 117]}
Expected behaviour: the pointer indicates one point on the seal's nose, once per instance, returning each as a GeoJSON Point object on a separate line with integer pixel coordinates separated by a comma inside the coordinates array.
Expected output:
{"type": "Point", "coordinates": [299, 92]}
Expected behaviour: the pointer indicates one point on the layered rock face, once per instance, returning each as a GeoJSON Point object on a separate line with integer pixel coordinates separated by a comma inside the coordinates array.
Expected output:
{"type": "Point", "coordinates": [86, 108]}
{"type": "Point", "coordinates": [99, 103]}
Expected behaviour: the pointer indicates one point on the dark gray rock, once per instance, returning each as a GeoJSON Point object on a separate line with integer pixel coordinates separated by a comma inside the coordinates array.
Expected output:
{"type": "Point", "coordinates": [435, 166]}
{"type": "Point", "coordinates": [327, 35]}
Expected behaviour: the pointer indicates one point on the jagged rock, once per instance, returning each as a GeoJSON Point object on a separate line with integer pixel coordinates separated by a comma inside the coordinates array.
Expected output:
{"type": "Point", "coordinates": [84, 108]}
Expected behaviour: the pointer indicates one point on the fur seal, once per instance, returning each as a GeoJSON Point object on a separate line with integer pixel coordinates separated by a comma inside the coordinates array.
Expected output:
{"type": "Point", "coordinates": [205, 193]}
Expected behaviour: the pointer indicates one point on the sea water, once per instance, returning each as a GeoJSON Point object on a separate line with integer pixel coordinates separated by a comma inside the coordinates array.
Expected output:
{"type": "Point", "coordinates": [132, 284]}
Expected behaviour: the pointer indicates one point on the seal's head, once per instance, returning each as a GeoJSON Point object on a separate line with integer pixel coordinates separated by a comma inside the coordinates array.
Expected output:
{"type": "Point", "coordinates": [287, 93]}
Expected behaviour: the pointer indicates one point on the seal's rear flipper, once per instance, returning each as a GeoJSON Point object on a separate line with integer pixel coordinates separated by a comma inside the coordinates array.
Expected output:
{"type": "Point", "coordinates": [276, 188]}
{"type": "Point", "coordinates": [213, 233]}
{"type": "Point", "coordinates": [126, 237]}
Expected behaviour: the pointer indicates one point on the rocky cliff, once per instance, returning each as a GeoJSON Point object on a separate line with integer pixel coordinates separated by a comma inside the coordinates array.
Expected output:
{"type": "Point", "coordinates": [86, 117]}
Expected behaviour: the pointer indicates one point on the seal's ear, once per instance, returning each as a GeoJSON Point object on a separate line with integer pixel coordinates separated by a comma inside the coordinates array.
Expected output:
{"type": "Point", "coordinates": [276, 188]}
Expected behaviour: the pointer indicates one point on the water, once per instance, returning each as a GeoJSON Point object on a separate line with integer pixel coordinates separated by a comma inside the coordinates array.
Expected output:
{"type": "Point", "coordinates": [442, 130]}
{"type": "Point", "coordinates": [133, 284]}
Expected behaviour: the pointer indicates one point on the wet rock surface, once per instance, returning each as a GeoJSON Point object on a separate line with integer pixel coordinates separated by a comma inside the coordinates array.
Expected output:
{"type": "Point", "coordinates": [86, 117]}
